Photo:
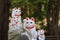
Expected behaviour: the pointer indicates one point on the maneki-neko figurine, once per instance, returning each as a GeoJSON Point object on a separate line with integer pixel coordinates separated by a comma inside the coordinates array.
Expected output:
{"type": "Point", "coordinates": [29, 25]}
{"type": "Point", "coordinates": [41, 35]}
{"type": "Point", "coordinates": [15, 23]}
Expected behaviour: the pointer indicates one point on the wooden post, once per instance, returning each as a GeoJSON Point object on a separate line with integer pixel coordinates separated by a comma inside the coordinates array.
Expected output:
{"type": "Point", "coordinates": [3, 20]}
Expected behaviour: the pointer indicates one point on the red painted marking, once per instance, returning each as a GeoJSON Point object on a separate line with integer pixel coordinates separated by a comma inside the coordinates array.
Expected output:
{"type": "Point", "coordinates": [17, 14]}
{"type": "Point", "coordinates": [30, 27]}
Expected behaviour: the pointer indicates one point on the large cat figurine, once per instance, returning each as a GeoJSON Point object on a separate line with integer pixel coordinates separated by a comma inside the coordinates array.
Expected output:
{"type": "Point", "coordinates": [29, 26]}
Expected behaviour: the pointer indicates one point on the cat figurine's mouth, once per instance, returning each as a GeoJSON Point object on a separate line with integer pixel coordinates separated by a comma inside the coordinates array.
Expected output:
{"type": "Point", "coordinates": [30, 27]}
{"type": "Point", "coordinates": [17, 14]}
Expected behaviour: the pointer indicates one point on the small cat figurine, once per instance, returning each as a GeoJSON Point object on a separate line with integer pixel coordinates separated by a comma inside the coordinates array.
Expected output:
{"type": "Point", "coordinates": [41, 35]}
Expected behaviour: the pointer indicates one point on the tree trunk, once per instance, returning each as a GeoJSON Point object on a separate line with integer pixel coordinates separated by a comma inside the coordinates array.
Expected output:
{"type": "Point", "coordinates": [48, 19]}
{"type": "Point", "coordinates": [48, 15]}
{"type": "Point", "coordinates": [53, 26]}
{"type": "Point", "coordinates": [55, 16]}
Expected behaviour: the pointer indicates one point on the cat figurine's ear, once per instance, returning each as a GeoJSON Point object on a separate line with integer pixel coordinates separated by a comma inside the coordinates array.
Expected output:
{"type": "Point", "coordinates": [24, 20]}
{"type": "Point", "coordinates": [14, 8]}
{"type": "Point", "coordinates": [19, 8]}
{"type": "Point", "coordinates": [32, 19]}
{"type": "Point", "coordinates": [27, 18]}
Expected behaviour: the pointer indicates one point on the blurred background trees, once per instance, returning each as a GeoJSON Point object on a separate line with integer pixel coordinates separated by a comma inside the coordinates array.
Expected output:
{"type": "Point", "coordinates": [45, 12]}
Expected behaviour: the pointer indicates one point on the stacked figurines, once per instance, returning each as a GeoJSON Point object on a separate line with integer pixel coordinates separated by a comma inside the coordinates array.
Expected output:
{"type": "Point", "coordinates": [15, 22]}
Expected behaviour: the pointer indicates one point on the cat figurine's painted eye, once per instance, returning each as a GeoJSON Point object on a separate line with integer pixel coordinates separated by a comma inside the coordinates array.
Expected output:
{"type": "Point", "coordinates": [16, 11]}
{"type": "Point", "coordinates": [27, 22]}
{"type": "Point", "coordinates": [31, 22]}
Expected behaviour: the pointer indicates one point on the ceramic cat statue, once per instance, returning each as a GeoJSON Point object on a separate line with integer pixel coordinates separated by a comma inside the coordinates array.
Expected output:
{"type": "Point", "coordinates": [29, 26]}
{"type": "Point", "coordinates": [16, 19]}
{"type": "Point", "coordinates": [41, 35]}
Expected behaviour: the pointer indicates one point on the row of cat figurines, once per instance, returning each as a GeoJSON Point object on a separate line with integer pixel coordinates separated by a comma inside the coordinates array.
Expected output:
{"type": "Point", "coordinates": [28, 25]}
{"type": "Point", "coordinates": [30, 29]}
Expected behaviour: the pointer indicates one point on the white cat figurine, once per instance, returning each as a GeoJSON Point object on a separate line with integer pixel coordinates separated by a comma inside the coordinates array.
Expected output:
{"type": "Point", "coordinates": [16, 16]}
{"type": "Point", "coordinates": [12, 25]}
{"type": "Point", "coordinates": [41, 35]}
{"type": "Point", "coordinates": [29, 25]}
